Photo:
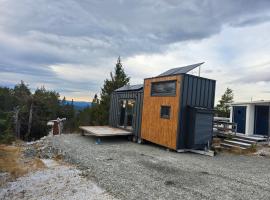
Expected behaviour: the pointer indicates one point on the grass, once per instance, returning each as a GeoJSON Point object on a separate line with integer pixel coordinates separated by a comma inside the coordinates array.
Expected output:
{"type": "Point", "coordinates": [13, 161]}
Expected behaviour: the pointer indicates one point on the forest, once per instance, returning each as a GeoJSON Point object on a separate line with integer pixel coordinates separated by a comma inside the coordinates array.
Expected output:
{"type": "Point", "coordinates": [24, 114]}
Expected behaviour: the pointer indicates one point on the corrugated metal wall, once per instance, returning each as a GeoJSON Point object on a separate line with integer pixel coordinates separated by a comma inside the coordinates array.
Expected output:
{"type": "Point", "coordinates": [115, 108]}
{"type": "Point", "coordinates": [196, 92]}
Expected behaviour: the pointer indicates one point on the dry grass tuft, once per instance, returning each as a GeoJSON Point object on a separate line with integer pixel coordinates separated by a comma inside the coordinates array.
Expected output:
{"type": "Point", "coordinates": [13, 162]}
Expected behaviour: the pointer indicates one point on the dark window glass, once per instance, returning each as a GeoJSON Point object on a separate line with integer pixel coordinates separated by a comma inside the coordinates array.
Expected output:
{"type": "Point", "coordinates": [165, 112]}
{"type": "Point", "coordinates": [165, 88]}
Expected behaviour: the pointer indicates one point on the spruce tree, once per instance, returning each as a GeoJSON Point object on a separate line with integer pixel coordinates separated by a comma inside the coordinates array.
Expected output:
{"type": "Point", "coordinates": [95, 100]}
{"type": "Point", "coordinates": [222, 107]}
{"type": "Point", "coordinates": [117, 79]}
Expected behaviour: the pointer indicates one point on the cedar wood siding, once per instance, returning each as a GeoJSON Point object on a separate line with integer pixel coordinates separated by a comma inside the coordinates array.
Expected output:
{"type": "Point", "coordinates": [154, 128]}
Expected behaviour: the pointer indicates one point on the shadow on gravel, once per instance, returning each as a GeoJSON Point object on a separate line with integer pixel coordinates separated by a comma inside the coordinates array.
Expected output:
{"type": "Point", "coordinates": [106, 140]}
{"type": "Point", "coordinates": [186, 178]}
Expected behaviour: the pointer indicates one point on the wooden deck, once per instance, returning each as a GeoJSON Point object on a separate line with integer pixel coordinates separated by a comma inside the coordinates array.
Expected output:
{"type": "Point", "coordinates": [104, 131]}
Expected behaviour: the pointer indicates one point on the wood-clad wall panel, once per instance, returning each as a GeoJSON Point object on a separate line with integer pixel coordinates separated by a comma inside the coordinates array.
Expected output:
{"type": "Point", "coordinates": [154, 128]}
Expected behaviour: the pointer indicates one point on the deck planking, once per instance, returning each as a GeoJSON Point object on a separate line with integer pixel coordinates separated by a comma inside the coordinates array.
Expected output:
{"type": "Point", "coordinates": [104, 131]}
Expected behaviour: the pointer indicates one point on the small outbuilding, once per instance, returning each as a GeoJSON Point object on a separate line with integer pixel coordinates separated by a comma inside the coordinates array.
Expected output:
{"type": "Point", "coordinates": [252, 118]}
{"type": "Point", "coordinates": [126, 108]}
{"type": "Point", "coordinates": [173, 109]}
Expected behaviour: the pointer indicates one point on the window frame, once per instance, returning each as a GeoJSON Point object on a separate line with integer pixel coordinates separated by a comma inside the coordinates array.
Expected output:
{"type": "Point", "coordinates": [162, 115]}
{"type": "Point", "coordinates": [172, 94]}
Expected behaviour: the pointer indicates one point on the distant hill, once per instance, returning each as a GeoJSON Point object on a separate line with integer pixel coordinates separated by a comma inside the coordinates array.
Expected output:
{"type": "Point", "coordinates": [79, 105]}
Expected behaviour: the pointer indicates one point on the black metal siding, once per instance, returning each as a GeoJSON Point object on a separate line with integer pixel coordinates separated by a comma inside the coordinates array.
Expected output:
{"type": "Point", "coordinates": [115, 109]}
{"type": "Point", "coordinates": [196, 92]}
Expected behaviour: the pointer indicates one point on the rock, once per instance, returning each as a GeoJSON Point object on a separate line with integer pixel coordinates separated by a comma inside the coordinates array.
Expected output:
{"type": "Point", "coordinates": [262, 154]}
{"type": "Point", "coordinates": [4, 177]}
{"type": "Point", "coordinates": [74, 190]}
{"type": "Point", "coordinates": [30, 152]}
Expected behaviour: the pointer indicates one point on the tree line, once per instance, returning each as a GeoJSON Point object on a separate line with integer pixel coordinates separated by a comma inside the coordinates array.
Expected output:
{"type": "Point", "coordinates": [24, 115]}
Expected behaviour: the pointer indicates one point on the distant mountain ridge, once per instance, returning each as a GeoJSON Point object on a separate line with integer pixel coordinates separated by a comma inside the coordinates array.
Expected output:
{"type": "Point", "coordinates": [79, 105]}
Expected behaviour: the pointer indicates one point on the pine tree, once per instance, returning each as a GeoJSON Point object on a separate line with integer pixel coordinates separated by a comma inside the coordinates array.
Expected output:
{"type": "Point", "coordinates": [23, 97]}
{"type": "Point", "coordinates": [223, 106]}
{"type": "Point", "coordinates": [117, 79]}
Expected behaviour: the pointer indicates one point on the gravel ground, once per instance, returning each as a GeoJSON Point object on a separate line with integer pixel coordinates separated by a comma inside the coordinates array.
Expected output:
{"type": "Point", "coordinates": [57, 181]}
{"type": "Point", "coordinates": [132, 171]}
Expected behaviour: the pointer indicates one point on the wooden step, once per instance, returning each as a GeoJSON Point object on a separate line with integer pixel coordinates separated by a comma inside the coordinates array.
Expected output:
{"type": "Point", "coordinates": [244, 140]}
{"type": "Point", "coordinates": [254, 138]}
{"type": "Point", "coordinates": [230, 146]}
{"type": "Point", "coordinates": [251, 138]}
{"type": "Point", "coordinates": [236, 143]}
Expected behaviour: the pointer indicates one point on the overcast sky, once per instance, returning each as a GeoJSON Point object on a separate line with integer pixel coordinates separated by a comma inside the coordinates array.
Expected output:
{"type": "Point", "coordinates": [71, 45]}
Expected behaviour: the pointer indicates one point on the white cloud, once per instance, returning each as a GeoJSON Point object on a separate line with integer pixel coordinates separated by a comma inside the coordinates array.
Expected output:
{"type": "Point", "coordinates": [71, 46]}
{"type": "Point", "coordinates": [79, 73]}
{"type": "Point", "coordinates": [236, 58]}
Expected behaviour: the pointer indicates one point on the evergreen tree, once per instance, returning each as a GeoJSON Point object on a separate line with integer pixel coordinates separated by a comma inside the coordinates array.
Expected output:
{"type": "Point", "coordinates": [7, 99]}
{"type": "Point", "coordinates": [22, 93]}
{"type": "Point", "coordinates": [25, 115]}
{"type": "Point", "coordinates": [45, 107]}
{"type": "Point", "coordinates": [117, 80]}
{"type": "Point", "coordinates": [7, 102]}
{"type": "Point", "coordinates": [22, 105]}
{"type": "Point", "coordinates": [64, 101]}
{"type": "Point", "coordinates": [95, 100]}
{"type": "Point", "coordinates": [222, 107]}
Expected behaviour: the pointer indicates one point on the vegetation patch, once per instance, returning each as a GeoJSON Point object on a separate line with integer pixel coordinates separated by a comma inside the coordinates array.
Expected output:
{"type": "Point", "coordinates": [13, 162]}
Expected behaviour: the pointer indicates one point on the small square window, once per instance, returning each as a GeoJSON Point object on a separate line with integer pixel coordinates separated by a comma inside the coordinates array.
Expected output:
{"type": "Point", "coordinates": [165, 112]}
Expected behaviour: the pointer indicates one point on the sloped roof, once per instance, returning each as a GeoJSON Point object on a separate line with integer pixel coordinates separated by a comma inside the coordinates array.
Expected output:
{"type": "Point", "coordinates": [129, 88]}
{"type": "Point", "coordinates": [180, 70]}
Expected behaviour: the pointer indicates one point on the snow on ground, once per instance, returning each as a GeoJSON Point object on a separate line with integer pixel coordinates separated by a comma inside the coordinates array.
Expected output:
{"type": "Point", "coordinates": [57, 181]}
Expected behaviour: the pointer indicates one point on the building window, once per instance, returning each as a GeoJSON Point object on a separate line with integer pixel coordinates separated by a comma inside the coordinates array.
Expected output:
{"type": "Point", "coordinates": [165, 112]}
{"type": "Point", "coordinates": [164, 88]}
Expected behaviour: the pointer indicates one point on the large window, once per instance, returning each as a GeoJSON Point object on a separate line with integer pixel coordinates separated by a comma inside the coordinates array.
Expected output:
{"type": "Point", "coordinates": [165, 112]}
{"type": "Point", "coordinates": [164, 88]}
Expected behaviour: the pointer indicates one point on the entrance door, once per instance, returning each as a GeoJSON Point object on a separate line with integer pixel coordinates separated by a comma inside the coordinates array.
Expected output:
{"type": "Point", "coordinates": [127, 108]}
{"type": "Point", "coordinates": [239, 117]}
{"type": "Point", "coordinates": [130, 114]}
{"type": "Point", "coordinates": [122, 113]}
{"type": "Point", "coordinates": [261, 120]}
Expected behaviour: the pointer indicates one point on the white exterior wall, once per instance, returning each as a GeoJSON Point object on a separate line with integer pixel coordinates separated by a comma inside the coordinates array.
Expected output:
{"type": "Point", "coordinates": [250, 114]}
{"type": "Point", "coordinates": [231, 113]}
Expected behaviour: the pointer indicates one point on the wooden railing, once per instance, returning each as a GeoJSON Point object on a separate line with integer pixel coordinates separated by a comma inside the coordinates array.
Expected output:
{"type": "Point", "coordinates": [225, 127]}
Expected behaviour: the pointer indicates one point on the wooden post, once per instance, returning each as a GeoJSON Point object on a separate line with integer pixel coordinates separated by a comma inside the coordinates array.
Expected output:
{"type": "Point", "coordinates": [30, 121]}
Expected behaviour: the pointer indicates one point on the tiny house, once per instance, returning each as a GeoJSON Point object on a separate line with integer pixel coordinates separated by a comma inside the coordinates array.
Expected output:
{"type": "Point", "coordinates": [126, 108]}
{"type": "Point", "coordinates": [252, 118]}
{"type": "Point", "coordinates": [173, 109]}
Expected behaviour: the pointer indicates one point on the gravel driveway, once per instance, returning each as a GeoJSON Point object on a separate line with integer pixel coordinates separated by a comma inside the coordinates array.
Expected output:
{"type": "Point", "coordinates": [132, 171]}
